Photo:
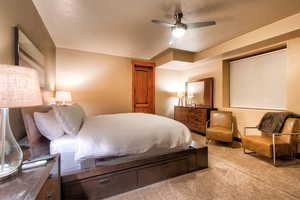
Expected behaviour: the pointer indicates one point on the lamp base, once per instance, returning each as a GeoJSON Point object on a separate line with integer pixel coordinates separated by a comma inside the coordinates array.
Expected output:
{"type": "Point", "coordinates": [8, 172]}
{"type": "Point", "coordinates": [11, 155]}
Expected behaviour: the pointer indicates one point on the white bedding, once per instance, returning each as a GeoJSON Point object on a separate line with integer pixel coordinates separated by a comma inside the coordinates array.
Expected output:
{"type": "Point", "coordinates": [128, 134]}
{"type": "Point", "coordinates": [66, 146]}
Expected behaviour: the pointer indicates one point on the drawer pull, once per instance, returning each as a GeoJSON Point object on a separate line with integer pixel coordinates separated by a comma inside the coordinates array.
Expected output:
{"type": "Point", "coordinates": [49, 195]}
{"type": "Point", "coordinates": [104, 180]}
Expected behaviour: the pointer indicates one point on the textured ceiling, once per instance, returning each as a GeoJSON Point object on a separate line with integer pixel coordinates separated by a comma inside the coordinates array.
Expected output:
{"type": "Point", "coordinates": [123, 28]}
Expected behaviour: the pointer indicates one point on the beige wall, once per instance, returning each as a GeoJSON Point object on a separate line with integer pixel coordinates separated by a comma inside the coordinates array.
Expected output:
{"type": "Point", "coordinates": [103, 83]}
{"type": "Point", "coordinates": [168, 82]}
{"type": "Point", "coordinates": [210, 69]}
{"type": "Point", "coordinates": [100, 83]}
{"type": "Point", "coordinates": [293, 75]}
{"type": "Point", "coordinates": [24, 14]}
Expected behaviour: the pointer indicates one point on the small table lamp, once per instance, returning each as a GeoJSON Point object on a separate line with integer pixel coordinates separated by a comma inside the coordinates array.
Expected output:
{"type": "Point", "coordinates": [19, 87]}
{"type": "Point", "coordinates": [63, 97]}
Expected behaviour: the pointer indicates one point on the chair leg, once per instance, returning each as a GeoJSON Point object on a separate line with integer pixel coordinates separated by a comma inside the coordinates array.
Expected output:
{"type": "Point", "coordinates": [244, 150]}
{"type": "Point", "coordinates": [274, 150]}
{"type": "Point", "coordinates": [207, 141]}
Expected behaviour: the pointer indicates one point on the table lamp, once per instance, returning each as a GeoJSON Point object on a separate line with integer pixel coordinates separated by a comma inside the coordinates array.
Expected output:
{"type": "Point", "coordinates": [19, 87]}
{"type": "Point", "coordinates": [63, 97]}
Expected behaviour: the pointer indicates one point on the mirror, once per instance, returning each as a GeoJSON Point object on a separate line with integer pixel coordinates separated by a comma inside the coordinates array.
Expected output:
{"type": "Point", "coordinates": [195, 92]}
{"type": "Point", "coordinates": [200, 93]}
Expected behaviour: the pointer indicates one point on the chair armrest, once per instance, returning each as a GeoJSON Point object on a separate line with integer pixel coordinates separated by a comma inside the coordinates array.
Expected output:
{"type": "Point", "coordinates": [207, 123]}
{"type": "Point", "coordinates": [249, 127]}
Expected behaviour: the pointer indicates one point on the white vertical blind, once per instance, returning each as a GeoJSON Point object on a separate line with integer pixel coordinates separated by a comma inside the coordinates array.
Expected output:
{"type": "Point", "coordinates": [259, 81]}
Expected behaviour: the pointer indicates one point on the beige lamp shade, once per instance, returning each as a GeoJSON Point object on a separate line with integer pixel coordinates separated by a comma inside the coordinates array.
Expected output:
{"type": "Point", "coordinates": [63, 96]}
{"type": "Point", "coordinates": [19, 87]}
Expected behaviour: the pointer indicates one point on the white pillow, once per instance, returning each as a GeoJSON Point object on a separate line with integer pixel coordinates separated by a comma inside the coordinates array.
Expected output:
{"type": "Point", "coordinates": [80, 109]}
{"type": "Point", "coordinates": [48, 125]}
{"type": "Point", "coordinates": [70, 117]}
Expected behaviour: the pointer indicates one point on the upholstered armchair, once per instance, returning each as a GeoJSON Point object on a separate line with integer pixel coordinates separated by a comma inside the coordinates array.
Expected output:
{"type": "Point", "coordinates": [221, 127]}
{"type": "Point", "coordinates": [272, 145]}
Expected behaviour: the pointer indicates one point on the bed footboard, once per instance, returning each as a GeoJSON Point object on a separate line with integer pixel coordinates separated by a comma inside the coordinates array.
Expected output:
{"type": "Point", "coordinates": [105, 181]}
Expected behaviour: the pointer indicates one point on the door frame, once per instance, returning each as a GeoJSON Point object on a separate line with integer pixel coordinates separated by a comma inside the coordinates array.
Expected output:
{"type": "Point", "coordinates": [143, 64]}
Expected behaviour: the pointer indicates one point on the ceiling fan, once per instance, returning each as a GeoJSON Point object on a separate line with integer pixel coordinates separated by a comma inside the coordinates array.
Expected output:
{"type": "Point", "coordinates": [179, 28]}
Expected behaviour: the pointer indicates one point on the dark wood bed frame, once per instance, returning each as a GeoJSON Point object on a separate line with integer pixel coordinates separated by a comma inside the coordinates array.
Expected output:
{"type": "Point", "coordinates": [101, 181]}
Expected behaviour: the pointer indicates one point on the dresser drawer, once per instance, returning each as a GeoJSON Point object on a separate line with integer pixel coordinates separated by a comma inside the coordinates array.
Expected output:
{"type": "Point", "coordinates": [197, 127]}
{"type": "Point", "coordinates": [181, 114]}
{"type": "Point", "coordinates": [101, 186]}
{"type": "Point", "coordinates": [194, 118]}
{"type": "Point", "coordinates": [157, 173]}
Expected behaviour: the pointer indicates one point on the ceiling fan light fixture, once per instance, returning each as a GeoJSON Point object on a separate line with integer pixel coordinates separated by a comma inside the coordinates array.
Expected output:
{"type": "Point", "coordinates": [178, 32]}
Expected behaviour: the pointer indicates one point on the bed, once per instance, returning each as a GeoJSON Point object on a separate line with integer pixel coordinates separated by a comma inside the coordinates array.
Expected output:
{"type": "Point", "coordinates": [141, 150]}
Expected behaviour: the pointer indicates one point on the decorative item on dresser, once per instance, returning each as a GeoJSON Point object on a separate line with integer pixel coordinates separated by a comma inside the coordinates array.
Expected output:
{"type": "Point", "coordinates": [180, 96]}
{"type": "Point", "coordinates": [198, 104]}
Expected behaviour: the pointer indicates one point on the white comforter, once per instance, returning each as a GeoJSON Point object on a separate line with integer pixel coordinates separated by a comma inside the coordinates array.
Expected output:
{"type": "Point", "coordinates": [128, 134]}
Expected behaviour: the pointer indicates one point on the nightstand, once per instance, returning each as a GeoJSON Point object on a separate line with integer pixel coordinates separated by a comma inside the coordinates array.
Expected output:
{"type": "Point", "coordinates": [42, 183]}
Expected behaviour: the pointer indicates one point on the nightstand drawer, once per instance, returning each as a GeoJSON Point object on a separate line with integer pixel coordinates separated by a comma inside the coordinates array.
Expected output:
{"type": "Point", "coordinates": [50, 190]}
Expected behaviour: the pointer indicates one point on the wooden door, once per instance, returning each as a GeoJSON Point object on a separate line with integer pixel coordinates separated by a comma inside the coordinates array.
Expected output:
{"type": "Point", "coordinates": [143, 85]}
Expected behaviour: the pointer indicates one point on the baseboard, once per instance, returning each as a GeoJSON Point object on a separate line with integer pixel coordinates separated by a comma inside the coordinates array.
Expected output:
{"type": "Point", "coordinates": [236, 139]}
{"type": "Point", "coordinates": [198, 133]}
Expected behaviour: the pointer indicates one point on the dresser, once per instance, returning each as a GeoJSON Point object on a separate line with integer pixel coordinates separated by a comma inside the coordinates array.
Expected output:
{"type": "Point", "coordinates": [41, 183]}
{"type": "Point", "coordinates": [193, 117]}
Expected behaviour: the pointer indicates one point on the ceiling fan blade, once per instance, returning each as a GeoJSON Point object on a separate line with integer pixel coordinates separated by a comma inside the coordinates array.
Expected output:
{"type": "Point", "coordinates": [200, 24]}
{"type": "Point", "coordinates": [162, 23]}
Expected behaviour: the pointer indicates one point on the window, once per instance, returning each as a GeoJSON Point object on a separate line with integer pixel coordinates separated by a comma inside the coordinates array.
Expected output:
{"type": "Point", "coordinates": [259, 81]}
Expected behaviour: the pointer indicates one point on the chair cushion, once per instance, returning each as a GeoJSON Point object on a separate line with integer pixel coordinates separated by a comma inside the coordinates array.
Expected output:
{"type": "Point", "coordinates": [219, 133]}
{"type": "Point", "coordinates": [263, 145]}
